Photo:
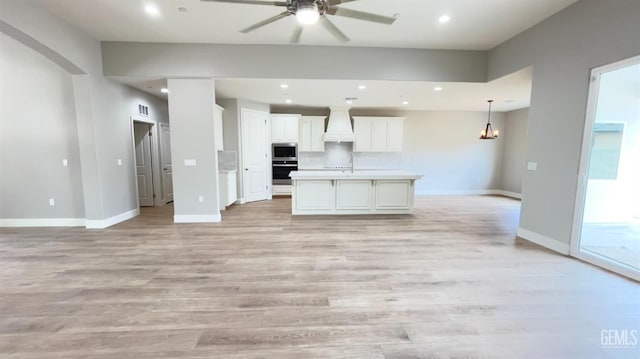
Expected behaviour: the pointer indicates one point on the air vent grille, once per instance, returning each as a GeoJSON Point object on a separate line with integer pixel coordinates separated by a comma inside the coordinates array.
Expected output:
{"type": "Point", "coordinates": [143, 110]}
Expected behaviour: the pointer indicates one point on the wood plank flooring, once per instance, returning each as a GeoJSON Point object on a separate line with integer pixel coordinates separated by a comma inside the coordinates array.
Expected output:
{"type": "Point", "coordinates": [451, 281]}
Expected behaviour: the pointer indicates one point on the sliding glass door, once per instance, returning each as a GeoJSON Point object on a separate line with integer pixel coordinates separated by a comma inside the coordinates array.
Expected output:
{"type": "Point", "coordinates": [607, 220]}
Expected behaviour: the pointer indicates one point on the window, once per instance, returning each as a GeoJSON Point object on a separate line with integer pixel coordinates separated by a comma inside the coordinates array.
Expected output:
{"type": "Point", "coordinates": [605, 151]}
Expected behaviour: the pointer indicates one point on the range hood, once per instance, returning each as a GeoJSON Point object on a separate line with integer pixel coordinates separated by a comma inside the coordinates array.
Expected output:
{"type": "Point", "coordinates": [339, 128]}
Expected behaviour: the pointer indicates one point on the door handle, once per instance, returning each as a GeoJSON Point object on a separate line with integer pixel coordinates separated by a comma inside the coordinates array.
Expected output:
{"type": "Point", "coordinates": [246, 169]}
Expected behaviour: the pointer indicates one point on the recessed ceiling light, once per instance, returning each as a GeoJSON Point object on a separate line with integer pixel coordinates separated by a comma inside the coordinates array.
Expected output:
{"type": "Point", "coordinates": [152, 10]}
{"type": "Point", "coordinates": [284, 86]}
{"type": "Point", "coordinates": [444, 19]}
{"type": "Point", "coordinates": [405, 102]}
{"type": "Point", "coordinates": [438, 88]}
{"type": "Point", "coordinates": [288, 101]}
{"type": "Point", "coordinates": [362, 87]}
{"type": "Point", "coordinates": [164, 90]}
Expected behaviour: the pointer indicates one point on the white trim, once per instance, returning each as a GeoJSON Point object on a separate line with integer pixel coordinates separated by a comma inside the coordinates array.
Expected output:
{"type": "Point", "coordinates": [42, 222]}
{"type": "Point", "coordinates": [508, 194]}
{"type": "Point", "coordinates": [104, 223]}
{"type": "Point", "coordinates": [547, 242]}
{"type": "Point", "coordinates": [197, 218]}
{"type": "Point", "coordinates": [608, 264]}
{"type": "Point", "coordinates": [479, 192]}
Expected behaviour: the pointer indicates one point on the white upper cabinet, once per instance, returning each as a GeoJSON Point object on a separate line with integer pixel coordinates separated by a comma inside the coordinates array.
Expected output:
{"type": "Point", "coordinates": [395, 134]}
{"type": "Point", "coordinates": [311, 134]}
{"type": "Point", "coordinates": [362, 132]}
{"type": "Point", "coordinates": [378, 134]}
{"type": "Point", "coordinates": [217, 127]}
{"type": "Point", "coordinates": [284, 128]}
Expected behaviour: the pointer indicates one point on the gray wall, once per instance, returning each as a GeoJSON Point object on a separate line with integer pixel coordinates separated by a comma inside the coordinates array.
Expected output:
{"type": "Point", "coordinates": [102, 107]}
{"type": "Point", "coordinates": [38, 131]}
{"type": "Point", "coordinates": [285, 61]}
{"type": "Point", "coordinates": [191, 109]}
{"type": "Point", "coordinates": [563, 49]}
{"type": "Point", "coordinates": [514, 152]}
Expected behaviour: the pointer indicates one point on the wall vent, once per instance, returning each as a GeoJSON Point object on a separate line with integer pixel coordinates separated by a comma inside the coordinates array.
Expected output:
{"type": "Point", "coordinates": [143, 110]}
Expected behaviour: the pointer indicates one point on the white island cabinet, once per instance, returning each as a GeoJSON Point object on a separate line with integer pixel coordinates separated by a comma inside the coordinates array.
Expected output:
{"type": "Point", "coordinates": [346, 192]}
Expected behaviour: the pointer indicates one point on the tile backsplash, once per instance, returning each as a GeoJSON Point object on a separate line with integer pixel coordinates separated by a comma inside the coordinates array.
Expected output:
{"type": "Point", "coordinates": [338, 155]}
{"type": "Point", "coordinates": [227, 160]}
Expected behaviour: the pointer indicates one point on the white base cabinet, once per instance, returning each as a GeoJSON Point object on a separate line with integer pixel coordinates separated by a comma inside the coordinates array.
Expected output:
{"type": "Point", "coordinates": [228, 188]}
{"type": "Point", "coordinates": [352, 196]}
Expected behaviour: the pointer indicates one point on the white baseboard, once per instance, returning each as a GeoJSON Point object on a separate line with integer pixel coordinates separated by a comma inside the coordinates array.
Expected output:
{"type": "Point", "coordinates": [479, 192]}
{"type": "Point", "coordinates": [508, 194]}
{"type": "Point", "coordinates": [104, 223]}
{"type": "Point", "coordinates": [554, 245]}
{"type": "Point", "coordinates": [42, 222]}
{"type": "Point", "coordinates": [197, 218]}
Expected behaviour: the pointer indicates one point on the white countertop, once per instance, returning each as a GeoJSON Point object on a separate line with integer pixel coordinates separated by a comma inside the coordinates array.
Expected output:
{"type": "Point", "coordinates": [347, 174]}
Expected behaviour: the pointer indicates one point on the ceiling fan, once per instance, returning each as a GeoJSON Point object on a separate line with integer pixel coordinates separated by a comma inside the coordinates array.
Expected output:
{"type": "Point", "coordinates": [311, 11]}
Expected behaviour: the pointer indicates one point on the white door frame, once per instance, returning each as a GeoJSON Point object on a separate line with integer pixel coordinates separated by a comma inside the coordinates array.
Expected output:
{"type": "Point", "coordinates": [583, 172]}
{"type": "Point", "coordinates": [155, 155]}
{"type": "Point", "coordinates": [163, 197]}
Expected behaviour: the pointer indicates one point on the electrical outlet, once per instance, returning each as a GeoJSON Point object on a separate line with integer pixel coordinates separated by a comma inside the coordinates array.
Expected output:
{"type": "Point", "coordinates": [65, 162]}
{"type": "Point", "coordinates": [52, 202]}
{"type": "Point", "coordinates": [200, 199]}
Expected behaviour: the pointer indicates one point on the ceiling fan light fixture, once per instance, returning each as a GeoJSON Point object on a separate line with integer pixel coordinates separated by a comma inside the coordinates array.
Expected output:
{"type": "Point", "coordinates": [308, 14]}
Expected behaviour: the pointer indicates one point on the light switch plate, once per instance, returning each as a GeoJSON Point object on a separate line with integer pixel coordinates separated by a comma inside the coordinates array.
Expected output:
{"type": "Point", "coordinates": [189, 163]}
{"type": "Point", "coordinates": [65, 162]}
{"type": "Point", "coordinates": [119, 161]}
{"type": "Point", "coordinates": [52, 202]}
{"type": "Point", "coordinates": [532, 166]}
{"type": "Point", "coordinates": [200, 199]}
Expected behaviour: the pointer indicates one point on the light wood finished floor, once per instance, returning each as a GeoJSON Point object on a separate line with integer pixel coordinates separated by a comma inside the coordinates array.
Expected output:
{"type": "Point", "coordinates": [450, 281]}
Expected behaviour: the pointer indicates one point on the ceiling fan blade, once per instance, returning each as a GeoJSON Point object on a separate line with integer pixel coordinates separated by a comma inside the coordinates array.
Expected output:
{"type": "Point", "coordinates": [360, 15]}
{"type": "Point", "coordinates": [252, 2]}
{"type": "Point", "coordinates": [333, 29]}
{"type": "Point", "coordinates": [265, 22]}
{"type": "Point", "coordinates": [295, 38]}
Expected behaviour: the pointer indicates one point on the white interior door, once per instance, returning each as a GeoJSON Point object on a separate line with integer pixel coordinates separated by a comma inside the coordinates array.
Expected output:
{"type": "Point", "coordinates": [165, 158]}
{"type": "Point", "coordinates": [254, 155]}
{"type": "Point", "coordinates": [144, 163]}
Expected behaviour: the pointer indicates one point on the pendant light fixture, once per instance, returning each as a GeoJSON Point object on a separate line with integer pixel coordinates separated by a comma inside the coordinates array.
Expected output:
{"type": "Point", "coordinates": [488, 133]}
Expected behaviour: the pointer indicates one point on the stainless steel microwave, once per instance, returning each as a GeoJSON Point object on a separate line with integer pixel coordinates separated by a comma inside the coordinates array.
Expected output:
{"type": "Point", "coordinates": [284, 151]}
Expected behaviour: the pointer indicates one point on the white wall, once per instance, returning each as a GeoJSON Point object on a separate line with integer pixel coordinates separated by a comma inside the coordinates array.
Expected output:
{"type": "Point", "coordinates": [514, 152]}
{"type": "Point", "coordinates": [38, 130]}
{"type": "Point", "coordinates": [562, 50]}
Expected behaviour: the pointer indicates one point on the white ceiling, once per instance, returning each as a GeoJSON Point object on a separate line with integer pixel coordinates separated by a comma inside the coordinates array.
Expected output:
{"type": "Point", "coordinates": [474, 25]}
{"type": "Point", "coordinates": [510, 92]}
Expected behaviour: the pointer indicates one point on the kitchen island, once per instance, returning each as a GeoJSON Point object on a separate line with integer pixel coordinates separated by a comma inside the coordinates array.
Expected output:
{"type": "Point", "coordinates": [357, 192]}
